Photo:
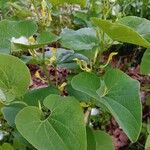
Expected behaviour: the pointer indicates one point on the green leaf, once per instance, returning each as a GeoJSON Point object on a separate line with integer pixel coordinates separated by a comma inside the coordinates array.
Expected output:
{"type": "Point", "coordinates": [120, 95]}
{"type": "Point", "coordinates": [32, 98]}
{"type": "Point", "coordinates": [6, 146]}
{"type": "Point", "coordinates": [87, 83]}
{"type": "Point", "coordinates": [98, 140]}
{"type": "Point", "coordinates": [14, 78]}
{"type": "Point", "coordinates": [103, 141]}
{"type": "Point", "coordinates": [91, 143]}
{"type": "Point", "coordinates": [129, 29]}
{"type": "Point", "coordinates": [15, 29]}
{"type": "Point", "coordinates": [43, 39]}
{"type": "Point", "coordinates": [80, 96]}
{"type": "Point", "coordinates": [9, 112]}
{"type": "Point", "coordinates": [18, 145]}
{"type": "Point", "coordinates": [65, 58]}
{"type": "Point", "coordinates": [60, 2]}
{"type": "Point", "coordinates": [82, 39]}
{"type": "Point", "coordinates": [63, 129]}
{"type": "Point", "coordinates": [147, 145]}
{"type": "Point", "coordinates": [145, 64]}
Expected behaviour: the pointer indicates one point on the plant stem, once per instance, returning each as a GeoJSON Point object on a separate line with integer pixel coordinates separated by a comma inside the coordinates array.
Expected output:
{"type": "Point", "coordinates": [45, 68]}
{"type": "Point", "coordinates": [87, 116]}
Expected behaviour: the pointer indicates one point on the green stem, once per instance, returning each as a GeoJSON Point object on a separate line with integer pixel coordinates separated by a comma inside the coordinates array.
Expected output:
{"type": "Point", "coordinates": [87, 116]}
{"type": "Point", "coordinates": [45, 67]}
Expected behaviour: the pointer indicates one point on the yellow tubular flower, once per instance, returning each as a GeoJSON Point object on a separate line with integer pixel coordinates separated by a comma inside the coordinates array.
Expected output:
{"type": "Point", "coordinates": [53, 58]}
{"type": "Point", "coordinates": [44, 8]}
{"type": "Point", "coordinates": [83, 65]}
{"type": "Point", "coordinates": [37, 75]}
{"type": "Point", "coordinates": [109, 59]}
{"type": "Point", "coordinates": [62, 87]}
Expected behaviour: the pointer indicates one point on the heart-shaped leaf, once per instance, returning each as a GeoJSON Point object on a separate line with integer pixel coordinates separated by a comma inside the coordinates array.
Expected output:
{"type": "Point", "coordinates": [129, 29]}
{"type": "Point", "coordinates": [16, 29]}
{"type": "Point", "coordinates": [87, 83]}
{"type": "Point", "coordinates": [14, 78]}
{"type": "Point", "coordinates": [119, 93]}
{"type": "Point", "coordinates": [63, 129]}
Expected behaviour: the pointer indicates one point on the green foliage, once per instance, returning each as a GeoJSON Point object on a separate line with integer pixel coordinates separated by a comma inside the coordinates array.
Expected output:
{"type": "Point", "coordinates": [6, 146]}
{"type": "Point", "coordinates": [63, 129]}
{"type": "Point", "coordinates": [42, 119]}
{"type": "Point", "coordinates": [145, 64]}
{"type": "Point", "coordinates": [98, 140]}
{"type": "Point", "coordinates": [58, 2]}
{"type": "Point", "coordinates": [14, 78]}
{"type": "Point", "coordinates": [129, 29]}
{"type": "Point", "coordinates": [117, 91]}
{"type": "Point", "coordinates": [147, 144]}
{"type": "Point", "coordinates": [34, 97]}
{"type": "Point", "coordinates": [11, 111]}
{"type": "Point", "coordinates": [43, 39]}
{"type": "Point", "coordinates": [16, 29]}
{"type": "Point", "coordinates": [82, 39]}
